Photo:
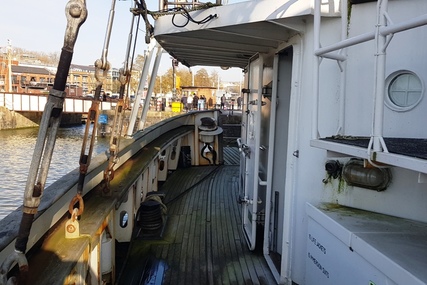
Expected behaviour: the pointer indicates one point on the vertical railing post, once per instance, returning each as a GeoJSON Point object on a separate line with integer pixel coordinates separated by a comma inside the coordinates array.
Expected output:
{"type": "Point", "coordinates": [316, 65]}
{"type": "Point", "coordinates": [380, 63]}
{"type": "Point", "coordinates": [344, 23]}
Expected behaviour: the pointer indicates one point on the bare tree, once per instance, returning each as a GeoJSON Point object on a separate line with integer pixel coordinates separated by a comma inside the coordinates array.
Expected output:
{"type": "Point", "coordinates": [202, 78]}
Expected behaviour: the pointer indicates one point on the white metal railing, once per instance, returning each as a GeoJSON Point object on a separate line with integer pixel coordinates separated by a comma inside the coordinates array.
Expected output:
{"type": "Point", "coordinates": [383, 33]}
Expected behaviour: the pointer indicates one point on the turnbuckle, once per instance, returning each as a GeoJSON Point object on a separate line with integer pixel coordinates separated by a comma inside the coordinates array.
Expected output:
{"type": "Point", "coordinates": [101, 70]}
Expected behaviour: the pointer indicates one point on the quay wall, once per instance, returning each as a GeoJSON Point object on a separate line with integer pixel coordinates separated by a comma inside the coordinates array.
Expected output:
{"type": "Point", "coordinates": [18, 120]}
{"type": "Point", "coordinates": [14, 120]}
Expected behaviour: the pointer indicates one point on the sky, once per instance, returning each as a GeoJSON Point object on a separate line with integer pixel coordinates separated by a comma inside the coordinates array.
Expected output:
{"type": "Point", "coordinates": [40, 26]}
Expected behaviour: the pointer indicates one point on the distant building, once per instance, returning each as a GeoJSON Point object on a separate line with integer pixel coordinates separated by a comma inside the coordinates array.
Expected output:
{"type": "Point", "coordinates": [4, 73]}
{"type": "Point", "coordinates": [29, 79]}
{"type": "Point", "coordinates": [25, 73]}
{"type": "Point", "coordinates": [39, 79]}
{"type": "Point", "coordinates": [205, 91]}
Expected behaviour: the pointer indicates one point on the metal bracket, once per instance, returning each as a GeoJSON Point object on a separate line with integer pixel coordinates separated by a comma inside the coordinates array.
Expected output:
{"type": "Point", "coordinates": [72, 228]}
{"type": "Point", "coordinates": [246, 150]}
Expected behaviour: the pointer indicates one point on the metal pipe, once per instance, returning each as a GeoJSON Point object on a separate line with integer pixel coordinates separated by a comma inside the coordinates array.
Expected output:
{"type": "Point", "coordinates": [380, 62]}
{"type": "Point", "coordinates": [335, 56]}
{"type": "Point", "coordinates": [150, 86]}
{"type": "Point", "coordinates": [107, 36]}
{"type": "Point", "coordinates": [394, 28]}
{"type": "Point", "coordinates": [316, 65]}
{"type": "Point", "coordinates": [343, 44]}
{"type": "Point", "coordinates": [341, 121]}
{"type": "Point", "coordinates": [130, 37]}
{"type": "Point", "coordinates": [400, 27]}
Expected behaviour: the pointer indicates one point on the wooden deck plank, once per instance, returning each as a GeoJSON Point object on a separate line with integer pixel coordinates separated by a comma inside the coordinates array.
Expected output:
{"type": "Point", "coordinates": [219, 255]}
{"type": "Point", "coordinates": [231, 155]}
{"type": "Point", "coordinates": [224, 208]}
{"type": "Point", "coordinates": [238, 276]}
{"type": "Point", "coordinates": [192, 258]}
{"type": "Point", "coordinates": [239, 243]}
{"type": "Point", "coordinates": [165, 254]}
{"type": "Point", "coordinates": [186, 250]}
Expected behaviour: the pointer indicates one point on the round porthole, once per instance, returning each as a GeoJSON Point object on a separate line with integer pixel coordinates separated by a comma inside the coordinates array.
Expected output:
{"type": "Point", "coordinates": [404, 91]}
{"type": "Point", "coordinates": [124, 217]}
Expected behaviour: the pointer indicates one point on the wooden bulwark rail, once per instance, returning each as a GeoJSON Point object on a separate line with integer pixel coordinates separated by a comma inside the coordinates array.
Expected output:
{"type": "Point", "coordinates": [59, 256]}
{"type": "Point", "coordinates": [57, 196]}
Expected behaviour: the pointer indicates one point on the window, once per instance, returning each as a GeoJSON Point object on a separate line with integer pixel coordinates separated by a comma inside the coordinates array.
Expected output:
{"type": "Point", "coordinates": [404, 91]}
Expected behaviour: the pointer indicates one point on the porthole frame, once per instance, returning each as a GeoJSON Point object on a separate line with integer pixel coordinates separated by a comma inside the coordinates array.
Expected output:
{"type": "Point", "coordinates": [387, 98]}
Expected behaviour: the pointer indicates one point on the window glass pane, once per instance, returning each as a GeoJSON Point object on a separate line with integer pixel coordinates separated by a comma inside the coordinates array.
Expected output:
{"type": "Point", "coordinates": [405, 90]}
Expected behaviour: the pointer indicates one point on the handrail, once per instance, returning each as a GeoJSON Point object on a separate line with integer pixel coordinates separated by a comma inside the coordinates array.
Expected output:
{"type": "Point", "coordinates": [262, 182]}
{"type": "Point", "coordinates": [384, 31]}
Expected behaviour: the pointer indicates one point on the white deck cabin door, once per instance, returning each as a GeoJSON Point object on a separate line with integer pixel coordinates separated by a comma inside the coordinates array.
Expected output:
{"type": "Point", "coordinates": [252, 143]}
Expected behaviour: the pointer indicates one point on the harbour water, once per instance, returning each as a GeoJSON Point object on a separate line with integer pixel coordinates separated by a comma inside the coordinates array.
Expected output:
{"type": "Point", "coordinates": [16, 151]}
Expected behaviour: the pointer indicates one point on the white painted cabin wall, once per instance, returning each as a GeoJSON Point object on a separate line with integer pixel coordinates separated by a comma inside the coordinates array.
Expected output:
{"type": "Point", "coordinates": [402, 54]}
{"type": "Point", "coordinates": [329, 79]}
{"type": "Point", "coordinates": [415, 60]}
{"type": "Point", "coordinates": [305, 173]}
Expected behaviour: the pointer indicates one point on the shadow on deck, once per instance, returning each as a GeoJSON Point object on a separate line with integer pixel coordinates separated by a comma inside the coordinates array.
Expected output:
{"type": "Point", "coordinates": [202, 242]}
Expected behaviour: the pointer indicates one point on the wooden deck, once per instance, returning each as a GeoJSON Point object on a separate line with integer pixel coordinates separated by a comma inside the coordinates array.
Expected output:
{"type": "Point", "coordinates": [202, 241]}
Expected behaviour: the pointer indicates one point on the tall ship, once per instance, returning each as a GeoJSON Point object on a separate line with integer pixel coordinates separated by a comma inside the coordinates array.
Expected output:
{"type": "Point", "coordinates": [326, 183]}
